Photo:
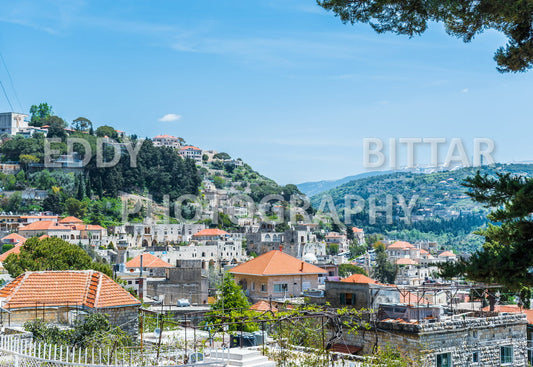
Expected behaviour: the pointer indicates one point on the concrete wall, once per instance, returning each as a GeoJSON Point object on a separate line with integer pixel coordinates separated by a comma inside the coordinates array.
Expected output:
{"type": "Point", "coordinates": [188, 281]}
{"type": "Point", "coordinates": [366, 295]}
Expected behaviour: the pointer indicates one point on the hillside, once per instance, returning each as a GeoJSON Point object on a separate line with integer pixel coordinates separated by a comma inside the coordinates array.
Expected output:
{"type": "Point", "coordinates": [443, 212]}
{"type": "Point", "coordinates": [316, 187]}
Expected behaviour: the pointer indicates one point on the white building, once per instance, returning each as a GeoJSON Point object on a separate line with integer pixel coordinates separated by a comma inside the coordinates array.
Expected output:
{"type": "Point", "coordinates": [12, 123]}
{"type": "Point", "coordinates": [166, 141]}
{"type": "Point", "coordinates": [191, 152]}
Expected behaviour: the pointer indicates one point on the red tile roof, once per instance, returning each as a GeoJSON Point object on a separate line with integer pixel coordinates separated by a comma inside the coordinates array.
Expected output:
{"type": "Point", "coordinates": [513, 309]}
{"type": "Point", "coordinates": [44, 225]}
{"type": "Point", "coordinates": [405, 261]}
{"type": "Point", "coordinates": [447, 254]}
{"type": "Point", "coordinates": [360, 278]}
{"type": "Point", "coordinates": [149, 261]}
{"type": "Point", "coordinates": [190, 147]}
{"type": "Point", "coordinates": [263, 306]}
{"type": "Point", "coordinates": [38, 216]}
{"type": "Point", "coordinates": [13, 238]}
{"type": "Point", "coordinates": [357, 230]}
{"type": "Point", "coordinates": [210, 232]}
{"type": "Point", "coordinates": [87, 288]}
{"type": "Point", "coordinates": [70, 220]}
{"type": "Point", "coordinates": [165, 136]}
{"type": "Point", "coordinates": [276, 262]}
{"type": "Point", "coordinates": [14, 250]}
{"type": "Point", "coordinates": [401, 245]}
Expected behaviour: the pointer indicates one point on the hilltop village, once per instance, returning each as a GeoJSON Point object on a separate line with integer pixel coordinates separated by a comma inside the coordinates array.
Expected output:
{"type": "Point", "coordinates": [192, 242]}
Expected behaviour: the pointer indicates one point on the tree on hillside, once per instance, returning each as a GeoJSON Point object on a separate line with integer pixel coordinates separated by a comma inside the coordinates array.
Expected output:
{"type": "Point", "coordinates": [57, 127]}
{"type": "Point", "coordinates": [222, 155]}
{"type": "Point", "coordinates": [108, 131]}
{"type": "Point", "coordinates": [345, 270]}
{"type": "Point", "coordinates": [39, 114]}
{"type": "Point", "coordinates": [230, 306]}
{"type": "Point", "coordinates": [461, 18]}
{"type": "Point", "coordinates": [384, 271]}
{"type": "Point", "coordinates": [506, 257]}
{"type": "Point", "coordinates": [82, 124]}
{"type": "Point", "coordinates": [51, 254]}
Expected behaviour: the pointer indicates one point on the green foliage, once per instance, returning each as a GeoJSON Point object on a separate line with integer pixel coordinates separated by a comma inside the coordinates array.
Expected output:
{"type": "Point", "coordinates": [57, 127]}
{"type": "Point", "coordinates": [39, 114]}
{"type": "Point", "coordinates": [76, 208]}
{"type": "Point", "coordinates": [14, 148]}
{"type": "Point", "coordinates": [108, 131]}
{"type": "Point", "coordinates": [461, 18]}
{"type": "Point", "coordinates": [384, 271]}
{"type": "Point", "coordinates": [357, 250]}
{"type": "Point", "coordinates": [82, 124]}
{"type": "Point", "coordinates": [333, 249]}
{"type": "Point", "coordinates": [6, 247]}
{"type": "Point", "coordinates": [219, 182]}
{"type": "Point", "coordinates": [506, 257]}
{"type": "Point", "coordinates": [345, 270]}
{"type": "Point", "coordinates": [94, 330]}
{"type": "Point", "coordinates": [436, 191]}
{"type": "Point", "coordinates": [231, 305]}
{"type": "Point", "coordinates": [51, 254]}
{"type": "Point", "coordinates": [222, 156]}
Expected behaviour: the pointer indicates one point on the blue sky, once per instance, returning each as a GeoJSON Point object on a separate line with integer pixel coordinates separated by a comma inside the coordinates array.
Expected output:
{"type": "Point", "coordinates": [284, 85]}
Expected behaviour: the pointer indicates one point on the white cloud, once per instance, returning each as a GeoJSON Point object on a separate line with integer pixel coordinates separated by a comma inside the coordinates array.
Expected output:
{"type": "Point", "coordinates": [169, 117]}
{"type": "Point", "coordinates": [464, 90]}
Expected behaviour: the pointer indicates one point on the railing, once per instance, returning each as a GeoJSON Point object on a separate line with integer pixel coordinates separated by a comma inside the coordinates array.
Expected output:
{"type": "Point", "coordinates": [22, 350]}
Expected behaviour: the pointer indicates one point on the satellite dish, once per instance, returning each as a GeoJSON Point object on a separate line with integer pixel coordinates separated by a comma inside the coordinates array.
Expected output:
{"type": "Point", "coordinates": [157, 331]}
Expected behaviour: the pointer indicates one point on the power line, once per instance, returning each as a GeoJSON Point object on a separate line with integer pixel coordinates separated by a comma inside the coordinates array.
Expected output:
{"type": "Point", "coordinates": [12, 84]}
{"type": "Point", "coordinates": [5, 94]}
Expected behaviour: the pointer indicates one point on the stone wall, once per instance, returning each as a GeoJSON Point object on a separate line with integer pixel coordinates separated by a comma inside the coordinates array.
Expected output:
{"type": "Point", "coordinates": [459, 337]}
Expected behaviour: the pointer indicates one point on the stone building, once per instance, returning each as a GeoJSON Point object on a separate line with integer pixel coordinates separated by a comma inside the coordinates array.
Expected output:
{"type": "Point", "coordinates": [187, 280]}
{"type": "Point", "coordinates": [465, 340]}
{"type": "Point", "coordinates": [55, 296]}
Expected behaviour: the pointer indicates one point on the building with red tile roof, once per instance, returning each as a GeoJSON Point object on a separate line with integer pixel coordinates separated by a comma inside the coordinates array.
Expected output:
{"type": "Point", "coordinates": [512, 309]}
{"type": "Point", "coordinates": [360, 279]}
{"type": "Point", "coordinates": [400, 245]}
{"type": "Point", "coordinates": [50, 295]}
{"type": "Point", "coordinates": [276, 274]}
{"type": "Point", "coordinates": [70, 220]}
{"type": "Point", "coordinates": [166, 141]}
{"type": "Point", "coordinates": [152, 265]}
{"type": "Point", "coordinates": [191, 152]}
{"type": "Point", "coordinates": [210, 234]}
{"type": "Point", "coordinates": [406, 261]}
{"type": "Point", "coordinates": [13, 238]}
{"type": "Point", "coordinates": [70, 229]}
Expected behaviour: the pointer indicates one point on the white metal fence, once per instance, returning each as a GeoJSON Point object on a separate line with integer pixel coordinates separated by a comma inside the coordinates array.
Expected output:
{"type": "Point", "coordinates": [23, 351]}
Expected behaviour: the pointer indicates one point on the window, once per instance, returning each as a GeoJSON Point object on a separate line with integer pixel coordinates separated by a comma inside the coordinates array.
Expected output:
{"type": "Point", "coordinates": [263, 287]}
{"type": "Point", "coordinates": [282, 287]}
{"type": "Point", "coordinates": [444, 360]}
{"type": "Point", "coordinates": [475, 357]}
{"type": "Point", "coordinates": [506, 354]}
{"type": "Point", "coordinates": [347, 299]}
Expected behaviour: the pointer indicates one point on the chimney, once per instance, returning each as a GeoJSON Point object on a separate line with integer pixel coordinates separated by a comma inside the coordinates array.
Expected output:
{"type": "Point", "coordinates": [302, 266]}
{"type": "Point", "coordinates": [281, 248]}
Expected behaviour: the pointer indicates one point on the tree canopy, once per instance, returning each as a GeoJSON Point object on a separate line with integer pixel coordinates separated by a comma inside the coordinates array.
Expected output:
{"type": "Point", "coordinates": [51, 254]}
{"type": "Point", "coordinates": [506, 257]}
{"type": "Point", "coordinates": [461, 18]}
